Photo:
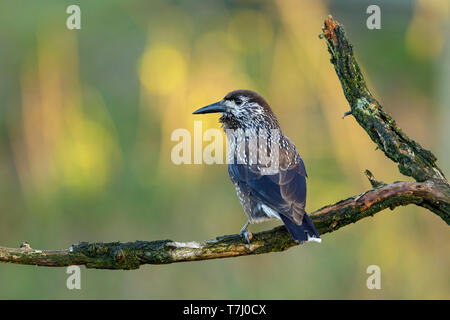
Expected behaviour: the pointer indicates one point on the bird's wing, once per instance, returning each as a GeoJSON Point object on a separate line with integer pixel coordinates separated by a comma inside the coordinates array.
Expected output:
{"type": "Point", "coordinates": [284, 191]}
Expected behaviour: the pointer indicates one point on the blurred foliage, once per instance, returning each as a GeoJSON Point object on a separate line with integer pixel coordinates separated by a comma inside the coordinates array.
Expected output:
{"type": "Point", "coordinates": [86, 119]}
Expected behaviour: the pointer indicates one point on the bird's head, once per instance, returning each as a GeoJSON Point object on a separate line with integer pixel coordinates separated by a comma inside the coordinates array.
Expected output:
{"type": "Point", "coordinates": [243, 109]}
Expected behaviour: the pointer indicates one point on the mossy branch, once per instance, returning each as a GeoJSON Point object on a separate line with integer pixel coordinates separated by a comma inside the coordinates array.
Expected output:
{"type": "Point", "coordinates": [431, 191]}
{"type": "Point", "coordinates": [132, 255]}
{"type": "Point", "coordinates": [413, 160]}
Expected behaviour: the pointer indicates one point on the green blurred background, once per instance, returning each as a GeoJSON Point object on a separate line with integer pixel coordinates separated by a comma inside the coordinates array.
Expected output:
{"type": "Point", "coordinates": [86, 118]}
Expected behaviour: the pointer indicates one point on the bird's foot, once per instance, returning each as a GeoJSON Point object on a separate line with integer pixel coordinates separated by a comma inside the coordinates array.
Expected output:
{"type": "Point", "coordinates": [247, 235]}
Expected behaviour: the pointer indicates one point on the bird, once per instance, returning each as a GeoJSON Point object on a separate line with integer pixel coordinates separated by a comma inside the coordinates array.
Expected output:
{"type": "Point", "coordinates": [275, 189]}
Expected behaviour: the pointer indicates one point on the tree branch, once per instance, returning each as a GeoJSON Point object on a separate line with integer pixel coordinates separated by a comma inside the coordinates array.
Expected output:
{"type": "Point", "coordinates": [431, 191]}
{"type": "Point", "coordinates": [131, 255]}
{"type": "Point", "coordinates": [414, 161]}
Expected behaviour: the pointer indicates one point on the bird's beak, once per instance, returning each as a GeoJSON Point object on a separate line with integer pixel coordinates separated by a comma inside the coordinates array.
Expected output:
{"type": "Point", "coordinates": [212, 108]}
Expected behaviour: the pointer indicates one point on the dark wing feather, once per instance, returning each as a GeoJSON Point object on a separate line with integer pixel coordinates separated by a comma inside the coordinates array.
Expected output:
{"type": "Point", "coordinates": [284, 192]}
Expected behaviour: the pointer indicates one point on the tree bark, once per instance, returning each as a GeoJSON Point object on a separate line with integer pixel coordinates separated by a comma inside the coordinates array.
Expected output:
{"type": "Point", "coordinates": [431, 190]}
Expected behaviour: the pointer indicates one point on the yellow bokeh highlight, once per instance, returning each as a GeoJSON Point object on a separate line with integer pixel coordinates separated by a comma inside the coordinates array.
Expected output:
{"type": "Point", "coordinates": [62, 147]}
{"type": "Point", "coordinates": [162, 69]}
{"type": "Point", "coordinates": [425, 34]}
{"type": "Point", "coordinates": [83, 155]}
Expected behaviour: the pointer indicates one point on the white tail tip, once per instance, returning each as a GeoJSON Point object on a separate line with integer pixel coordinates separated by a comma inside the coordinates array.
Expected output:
{"type": "Point", "coordinates": [313, 239]}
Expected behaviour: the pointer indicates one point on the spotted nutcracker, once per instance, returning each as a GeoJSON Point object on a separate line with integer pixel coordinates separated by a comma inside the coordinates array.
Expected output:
{"type": "Point", "coordinates": [275, 188]}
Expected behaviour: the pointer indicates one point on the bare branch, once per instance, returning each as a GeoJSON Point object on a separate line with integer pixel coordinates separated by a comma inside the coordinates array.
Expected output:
{"type": "Point", "coordinates": [131, 255]}
{"type": "Point", "coordinates": [413, 160]}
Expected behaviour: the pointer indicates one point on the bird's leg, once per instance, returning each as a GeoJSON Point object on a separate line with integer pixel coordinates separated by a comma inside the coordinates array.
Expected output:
{"type": "Point", "coordinates": [247, 234]}
{"type": "Point", "coordinates": [244, 228]}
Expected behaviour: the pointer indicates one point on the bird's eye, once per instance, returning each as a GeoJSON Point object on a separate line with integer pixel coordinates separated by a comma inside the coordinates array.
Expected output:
{"type": "Point", "coordinates": [237, 101]}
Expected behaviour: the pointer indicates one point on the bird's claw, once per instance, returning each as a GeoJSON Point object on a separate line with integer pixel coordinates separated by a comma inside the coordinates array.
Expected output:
{"type": "Point", "coordinates": [247, 235]}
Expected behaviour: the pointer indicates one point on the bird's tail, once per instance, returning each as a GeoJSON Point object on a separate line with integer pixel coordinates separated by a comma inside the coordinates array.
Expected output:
{"type": "Point", "coordinates": [304, 232]}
